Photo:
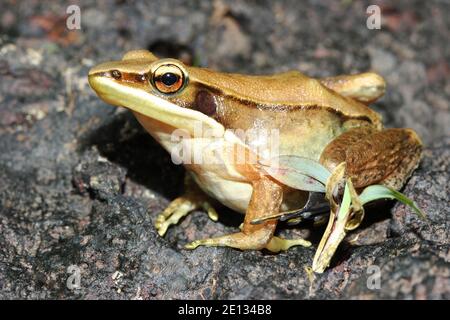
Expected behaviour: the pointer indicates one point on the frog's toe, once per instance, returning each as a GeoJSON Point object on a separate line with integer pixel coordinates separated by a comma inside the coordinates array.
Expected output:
{"type": "Point", "coordinates": [256, 240]}
{"type": "Point", "coordinates": [179, 208]}
{"type": "Point", "coordinates": [237, 240]}
{"type": "Point", "coordinates": [176, 210]}
{"type": "Point", "coordinates": [193, 245]}
{"type": "Point", "coordinates": [277, 244]}
{"type": "Point", "coordinates": [243, 242]}
{"type": "Point", "coordinates": [210, 242]}
{"type": "Point", "coordinates": [212, 213]}
{"type": "Point", "coordinates": [162, 226]}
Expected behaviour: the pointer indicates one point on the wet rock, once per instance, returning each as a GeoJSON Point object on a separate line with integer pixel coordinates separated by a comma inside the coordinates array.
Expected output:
{"type": "Point", "coordinates": [99, 177]}
{"type": "Point", "coordinates": [429, 188]}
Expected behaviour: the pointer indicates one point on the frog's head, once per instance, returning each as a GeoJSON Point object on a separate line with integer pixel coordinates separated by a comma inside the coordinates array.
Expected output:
{"type": "Point", "coordinates": [156, 89]}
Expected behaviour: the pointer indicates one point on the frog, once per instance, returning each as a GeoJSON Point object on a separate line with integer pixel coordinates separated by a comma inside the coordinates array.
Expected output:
{"type": "Point", "coordinates": [327, 120]}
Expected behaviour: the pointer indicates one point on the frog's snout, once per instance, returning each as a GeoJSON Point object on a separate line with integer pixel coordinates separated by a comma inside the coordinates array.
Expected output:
{"type": "Point", "coordinates": [94, 77]}
{"type": "Point", "coordinates": [101, 78]}
{"type": "Point", "coordinates": [102, 68]}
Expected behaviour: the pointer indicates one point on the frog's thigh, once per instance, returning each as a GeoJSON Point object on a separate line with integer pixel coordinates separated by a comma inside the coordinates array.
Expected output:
{"type": "Point", "coordinates": [266, 200]}
{"type": "Point", "coordinates": [388, 156]}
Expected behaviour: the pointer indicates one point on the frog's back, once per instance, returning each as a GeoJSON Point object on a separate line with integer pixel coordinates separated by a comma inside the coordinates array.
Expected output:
{"type": "Point", "coordinates": [287, 91]}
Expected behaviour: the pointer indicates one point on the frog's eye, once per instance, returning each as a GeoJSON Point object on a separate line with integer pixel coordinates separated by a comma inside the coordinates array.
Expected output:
{"type": "Point", "coordinates": [168, 78]}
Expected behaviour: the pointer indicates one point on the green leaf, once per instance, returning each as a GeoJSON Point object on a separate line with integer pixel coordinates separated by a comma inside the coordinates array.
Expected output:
{"type": "Point", "coordinates": [345, 204]}
{"type": "Point", "coordinates": [378, 191]}
{"type": "Point", "coordinates": [298, 172]}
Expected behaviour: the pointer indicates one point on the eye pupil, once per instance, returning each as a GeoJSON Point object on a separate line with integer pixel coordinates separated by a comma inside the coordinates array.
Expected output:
{"type": "Point", "coordinates": [169, 78]}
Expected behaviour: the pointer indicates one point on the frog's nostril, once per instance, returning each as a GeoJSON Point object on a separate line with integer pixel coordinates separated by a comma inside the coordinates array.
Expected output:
{"type": "Point", "coordinates": [116, 74]}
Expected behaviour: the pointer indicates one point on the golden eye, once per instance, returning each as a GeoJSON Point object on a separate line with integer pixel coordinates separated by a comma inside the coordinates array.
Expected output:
{"type": "Point", "coordinates": [168, 78]}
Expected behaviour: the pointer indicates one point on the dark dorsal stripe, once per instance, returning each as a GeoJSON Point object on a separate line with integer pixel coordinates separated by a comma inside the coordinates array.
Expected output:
{"type": "Point", "coordinates": [202, 87]}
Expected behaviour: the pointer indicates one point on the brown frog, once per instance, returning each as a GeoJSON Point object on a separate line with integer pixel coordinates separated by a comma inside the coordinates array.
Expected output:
{"type": "Point", "coordinates": [325, 120]}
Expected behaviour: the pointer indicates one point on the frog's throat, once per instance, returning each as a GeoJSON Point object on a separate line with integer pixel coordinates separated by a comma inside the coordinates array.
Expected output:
{"type": "Point", "coordinates": [152, 106]}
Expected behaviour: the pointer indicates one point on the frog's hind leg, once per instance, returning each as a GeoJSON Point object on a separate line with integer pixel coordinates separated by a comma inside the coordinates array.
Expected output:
{"type": "Point", "coordinates": [368, 156]}
{"type": "Point", "coordinates": [266, 199]}
{"type": "Point", "coordinates": [385, 157]}
{"type": "Point", "coordinates": [360, 158]}
{"type": "Point", "coordinates": [193, 199]}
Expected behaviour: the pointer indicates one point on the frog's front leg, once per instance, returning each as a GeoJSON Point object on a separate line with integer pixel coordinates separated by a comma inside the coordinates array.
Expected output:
{"type": "Point", "coordinates": [192, 199]}
{"type": "Point", "coordinates": [266, 199]}
{"type": "Point", "coordinates": [363, 157]}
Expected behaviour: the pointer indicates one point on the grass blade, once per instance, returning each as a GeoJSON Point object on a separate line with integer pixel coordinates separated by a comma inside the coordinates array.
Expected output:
{"type": "Point", "coordinates": [298, 172]}
{"type": "Point", "coordinates": [378, 191]}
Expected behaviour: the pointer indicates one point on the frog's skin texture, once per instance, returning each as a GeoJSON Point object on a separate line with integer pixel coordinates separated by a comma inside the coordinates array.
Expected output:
{"type": "Point", "coordinates": [321, 119]}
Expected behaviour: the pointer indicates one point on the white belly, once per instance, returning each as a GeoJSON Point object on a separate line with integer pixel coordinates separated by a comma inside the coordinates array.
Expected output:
{"type": "Point", "coordinates": [217, 176]}
{"type": "Point", "coordinates": [233, 194]}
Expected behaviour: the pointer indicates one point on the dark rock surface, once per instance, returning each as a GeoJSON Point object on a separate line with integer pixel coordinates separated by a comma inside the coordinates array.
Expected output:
{"type": "Point", "coordinates": [81, 182]}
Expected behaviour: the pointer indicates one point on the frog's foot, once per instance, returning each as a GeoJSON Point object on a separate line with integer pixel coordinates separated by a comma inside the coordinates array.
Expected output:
{"type": "Point", "coordinates": [266, 200]}
{"type": "Point", "coordinates": [277, 244]}
{"type": "Point", "coordinates": [253, 241]}
{"type": "Point", "coordinates": [179, 208]}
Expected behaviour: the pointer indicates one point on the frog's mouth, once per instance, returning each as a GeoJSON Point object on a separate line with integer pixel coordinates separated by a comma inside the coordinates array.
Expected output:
{"type": "Point", "coordinates": [149, 105]}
